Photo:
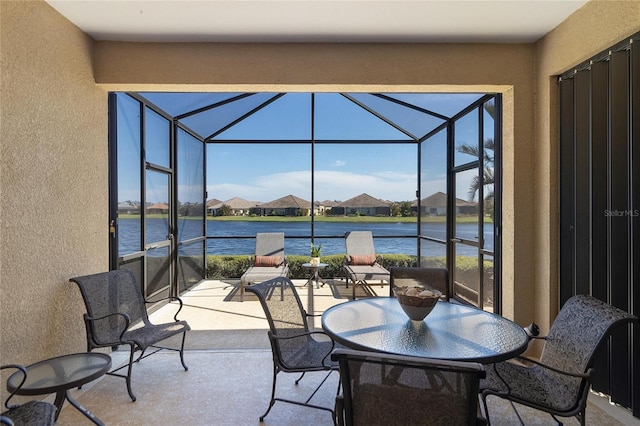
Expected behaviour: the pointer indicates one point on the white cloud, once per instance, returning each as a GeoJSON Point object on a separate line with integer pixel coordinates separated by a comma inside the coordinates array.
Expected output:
{"type": "Point", "coordinates": [331, 185]}
{"type": "Point", "coordinates": [340, 163]}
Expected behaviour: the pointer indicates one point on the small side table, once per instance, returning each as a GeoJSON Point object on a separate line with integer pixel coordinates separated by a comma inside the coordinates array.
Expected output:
{"type": "Point", "coordinates": [315, 269]}
{"type": "Point", "coordinates": [59, 375]}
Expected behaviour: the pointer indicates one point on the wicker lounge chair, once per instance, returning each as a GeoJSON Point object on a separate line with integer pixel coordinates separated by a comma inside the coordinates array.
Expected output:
{"type": "Point", "coordinates": [268, 262]}
{"type": "Point", "coordinates": [382, 389]}
{"type": "Point", "coordinates": [29, 413]}
{"type": "Point", "coordinates": [558, 383]}
{"type": "Point", "coordinates": [117, 315]}
{"type": "Point", "coordinates": [295, 348]}
{"type": "Point", "coordinates": [361, 263]}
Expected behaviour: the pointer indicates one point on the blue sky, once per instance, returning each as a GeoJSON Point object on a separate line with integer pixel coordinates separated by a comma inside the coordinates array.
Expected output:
{"type": "Point", "coordinates": [267, 171]}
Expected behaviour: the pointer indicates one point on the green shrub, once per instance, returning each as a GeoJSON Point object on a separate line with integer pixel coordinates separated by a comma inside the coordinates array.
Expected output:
{"type": "Point", "coordinates": [221, 267]}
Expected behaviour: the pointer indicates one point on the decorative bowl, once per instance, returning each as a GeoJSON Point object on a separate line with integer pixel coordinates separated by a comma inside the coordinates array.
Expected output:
{"type": "Point", "coordinates": [417, 302]}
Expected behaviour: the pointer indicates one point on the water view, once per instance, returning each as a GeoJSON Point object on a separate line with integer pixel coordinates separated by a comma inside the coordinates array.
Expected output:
{"type": "Point", "coordinates": [390, 238]}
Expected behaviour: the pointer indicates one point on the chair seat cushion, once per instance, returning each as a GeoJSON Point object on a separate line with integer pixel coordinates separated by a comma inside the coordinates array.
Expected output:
{"type": "Point", "coordinates": [38, 413]}
{"type": "Point", "coordinates": [154, 333]}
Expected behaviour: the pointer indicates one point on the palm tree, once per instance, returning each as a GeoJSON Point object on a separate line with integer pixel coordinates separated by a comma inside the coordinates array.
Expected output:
{"type": "Point", "coordinates": [488, 157]}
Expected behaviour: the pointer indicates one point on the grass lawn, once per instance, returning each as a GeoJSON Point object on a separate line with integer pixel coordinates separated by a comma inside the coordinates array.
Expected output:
{"type": "Point", "coordinates": [358, 219]}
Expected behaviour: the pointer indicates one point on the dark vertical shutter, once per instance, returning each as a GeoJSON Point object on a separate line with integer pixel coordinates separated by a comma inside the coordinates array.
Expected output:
{"type": "Point", "coordinates": [635, 221]}
{"type": "Point", "coordinates": [600, 203]}
{"type": "Point", "coordinates": [566, 190]}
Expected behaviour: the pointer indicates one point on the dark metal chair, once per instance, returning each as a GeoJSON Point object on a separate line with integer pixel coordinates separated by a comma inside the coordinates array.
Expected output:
{"type": "Point", "coordinates": [295, 348]}
{"type": "Point", "coordinates": [269, 260]}
{"type": "Point", "coordinates": [361, 264]}
{"type": "Point", "coordinates": [558, 383]}
{"type": "Point", "coordinates": [117, 315]}
{"type": "Point", "coordinates": [433, 278]}
{"type": "Point", "coordinates": [34, 413]}
{"type": "Point", "coordinates": [379, 389]}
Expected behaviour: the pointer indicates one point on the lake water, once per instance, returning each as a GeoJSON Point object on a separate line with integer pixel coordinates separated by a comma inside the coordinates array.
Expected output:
{"type": "Point", "coordinates": [389, 235]}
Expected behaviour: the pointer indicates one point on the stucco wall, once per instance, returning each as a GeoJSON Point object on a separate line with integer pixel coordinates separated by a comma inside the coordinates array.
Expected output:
{"type": "Point", "coordinates": [590, 30]}
{"type": "Point", "coordinates": [53, 174]}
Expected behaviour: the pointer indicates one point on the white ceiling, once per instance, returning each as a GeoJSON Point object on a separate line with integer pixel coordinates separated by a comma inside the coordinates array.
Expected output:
{"type": "Point", "coordinates": [501, 21]}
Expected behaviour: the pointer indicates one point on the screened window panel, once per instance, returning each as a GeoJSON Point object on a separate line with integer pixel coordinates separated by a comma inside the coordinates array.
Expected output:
{"type": "Point", "coordinates": [157, 138]}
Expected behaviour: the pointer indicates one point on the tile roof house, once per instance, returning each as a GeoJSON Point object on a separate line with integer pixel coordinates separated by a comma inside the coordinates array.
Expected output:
{"type": "Point", "coordinates": [365, 205]}
{"type": "Point", "coordinates": [289, 205]}
{"type": "Point", "coordinates": [238, 206]}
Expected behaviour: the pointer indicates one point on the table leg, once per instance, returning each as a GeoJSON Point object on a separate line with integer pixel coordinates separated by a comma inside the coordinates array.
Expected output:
{"type": "Point", "coordinates": [83, 410]}
{"type": "Point", "coordinates": [311, 320]}
{"type": "Point", "coordinates": [58, 402]}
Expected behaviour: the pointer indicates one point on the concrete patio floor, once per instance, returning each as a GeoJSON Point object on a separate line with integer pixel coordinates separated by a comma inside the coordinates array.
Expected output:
{"type": "Point", "coordinates": [230, 368]}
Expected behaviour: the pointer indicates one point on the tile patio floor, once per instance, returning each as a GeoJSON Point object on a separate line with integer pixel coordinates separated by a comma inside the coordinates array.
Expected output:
{"type": "Point", "coordinates": [229, 377]}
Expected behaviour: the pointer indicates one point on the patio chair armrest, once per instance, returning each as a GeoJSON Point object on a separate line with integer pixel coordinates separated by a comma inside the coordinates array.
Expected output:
{"type": "Point", "coordinates": [586, 375]}
{"type": "Point", "coordinates": [24, 379]}
{"type": "Point", "coordinates": [171, 299]}
{"type": "Point", "coordinates": [127, 322]}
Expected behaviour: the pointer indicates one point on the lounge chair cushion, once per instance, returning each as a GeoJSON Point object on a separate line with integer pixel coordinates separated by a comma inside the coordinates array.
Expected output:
{"type": "Point", "coordinates": [266, 261]}
{"type": "Point", "coordinates": [362, 259]}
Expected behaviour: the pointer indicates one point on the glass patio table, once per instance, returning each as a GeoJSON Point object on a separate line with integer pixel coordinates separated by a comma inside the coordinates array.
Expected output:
{"type": "Point", "coordinates": [60, 374]}
{"type": "Point", "coordinates": [451, 331]}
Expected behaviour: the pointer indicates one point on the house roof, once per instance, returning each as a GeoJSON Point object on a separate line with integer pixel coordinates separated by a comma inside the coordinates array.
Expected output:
{"type": "Point", "coordinates": [158, 206]}
{"type": "Point", "coordinates": [439, 199]}
{"type": "Point", "coordinates": [212, 202]}
{"type": "Point", "coordinates": [287, 202]}
{"type": "Point", "coordinates": [364, 200]}
{"type": "Point", "coordinates": [236, 203]}
{"type": "Point", "coordinates": [326, 203]}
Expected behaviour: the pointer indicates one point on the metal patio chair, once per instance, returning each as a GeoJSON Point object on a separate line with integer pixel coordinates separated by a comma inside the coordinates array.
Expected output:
{"type": "Point", "coordinates": [39, 413]}
{"type": "Point", "coordinates": [558, 383]}
{"type": "Point", "coordinates": [117, 315]}
{"type": "Point", "coordinates": [361, 263]}
{"type": "Point", "coordinates": [433, 278]}
{"type": "Point", "coordinates": [384, 389]}
{"type": "Point", "coordinates": [269, 260]}
{"type": "Point", "coordinates": [295, 348]}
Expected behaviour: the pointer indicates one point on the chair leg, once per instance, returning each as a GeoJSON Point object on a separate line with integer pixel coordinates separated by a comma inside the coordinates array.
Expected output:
{"type": "Point", "coordinates": [273, 393]}
{"type": "Point", "coordinates": [300, 378]}
{"type": "Point", "coordinates": [184, 336]}
{"type": "Point", "coordinates": [129, 369]}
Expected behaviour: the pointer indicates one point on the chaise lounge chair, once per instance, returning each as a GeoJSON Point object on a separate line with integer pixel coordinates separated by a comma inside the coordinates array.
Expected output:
{"type": "Point", "coordinates": [361, 263]}
{"type": "Point", "coordinates": [269, 260]}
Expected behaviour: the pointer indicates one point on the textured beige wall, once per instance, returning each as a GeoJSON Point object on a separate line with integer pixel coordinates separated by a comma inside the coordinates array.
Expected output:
{"type": "Point", "coordinates": [53, 181]}
{"type": "Point", "coordinates": [592, 29]}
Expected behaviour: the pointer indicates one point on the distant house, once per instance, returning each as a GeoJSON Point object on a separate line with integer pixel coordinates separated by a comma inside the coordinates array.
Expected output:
{"type": "Point", "coordinates": [436, 205]}
{"type": "Point", "coordinates": [210, 203]}
{"type": "Point", "coordinates": [238, 206]}
{"type": "Point", "coordinates": [158, 208]}
{"type": "Point", "coordinates": [363, 204]}
{"type": "Point", "coordinates": [323, 207]}
{"type": "Point", "coordinates": [129, 207]}
{"type": "Point", "coordinates": [289, 205]}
